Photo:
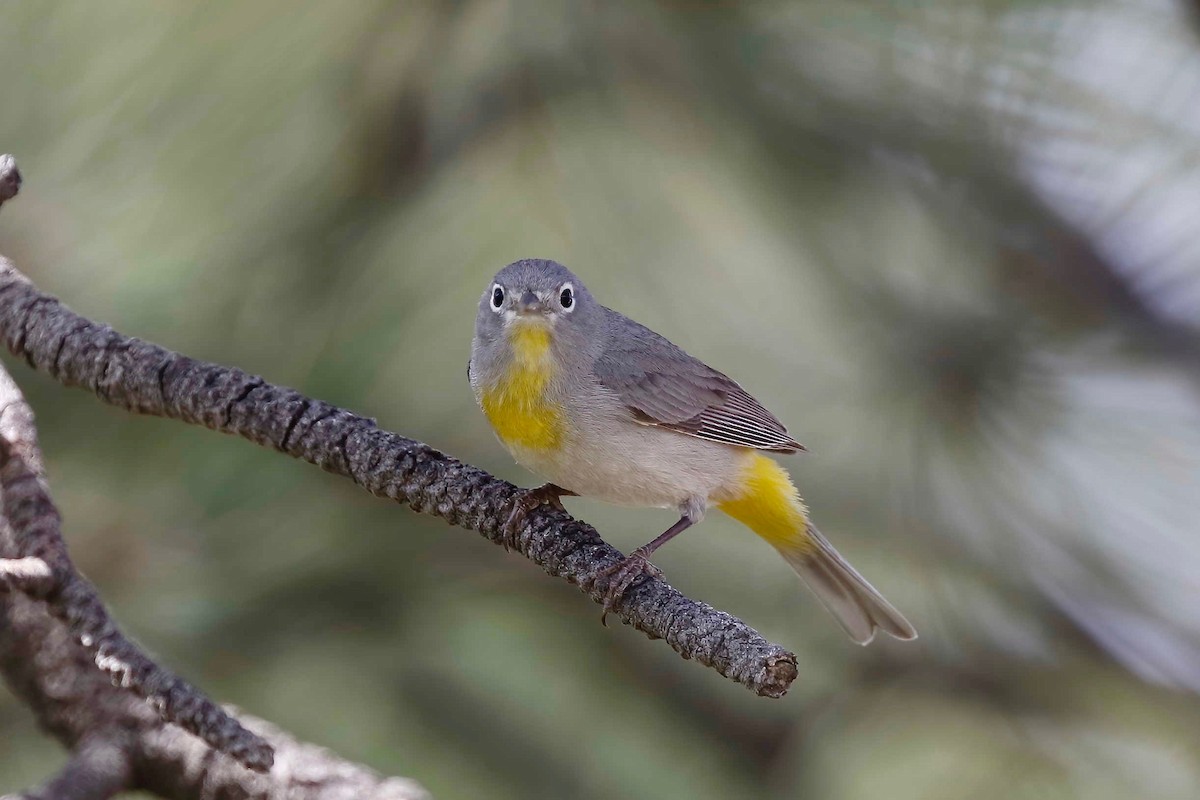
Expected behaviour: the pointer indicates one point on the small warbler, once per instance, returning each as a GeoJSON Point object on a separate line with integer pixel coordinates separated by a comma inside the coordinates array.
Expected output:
{"type": "Point", "coordinates": [604, 407]}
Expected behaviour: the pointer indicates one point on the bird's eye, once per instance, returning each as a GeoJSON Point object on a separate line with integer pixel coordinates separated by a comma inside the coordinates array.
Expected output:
{"type": "Point", "coordinates": [497, 297]}
{"type": "Point", "coordinates": [566, 297]}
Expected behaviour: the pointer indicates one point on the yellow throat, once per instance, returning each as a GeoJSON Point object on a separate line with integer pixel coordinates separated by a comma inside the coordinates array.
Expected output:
{"type": "Point", "coordinates": [516, 403]}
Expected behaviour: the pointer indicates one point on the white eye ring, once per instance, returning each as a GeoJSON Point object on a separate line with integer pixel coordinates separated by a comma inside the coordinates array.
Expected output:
{"type": "Point", "coordinates": [497, 301]}
{"type": "Point", "coordinates": [566, 298]}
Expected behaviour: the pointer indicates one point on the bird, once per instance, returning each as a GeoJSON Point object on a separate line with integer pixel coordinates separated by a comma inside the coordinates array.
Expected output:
{"type": "Point", "coordinates": [601, 406]}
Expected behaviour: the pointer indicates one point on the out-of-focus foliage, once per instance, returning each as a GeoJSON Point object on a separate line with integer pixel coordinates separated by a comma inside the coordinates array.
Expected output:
{"type": "Point", "coordinates": [952, 244]}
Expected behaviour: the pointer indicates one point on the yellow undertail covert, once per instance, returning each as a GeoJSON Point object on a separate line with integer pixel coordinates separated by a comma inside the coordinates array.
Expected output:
{"type": "Point", "coordinates": [768, 504]}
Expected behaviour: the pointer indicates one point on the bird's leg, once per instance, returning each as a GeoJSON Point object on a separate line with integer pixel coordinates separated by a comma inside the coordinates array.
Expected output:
{"type": "Point", "coordinates": [525, 503]}
{"type": "Point", "coordinates": [621, 575]}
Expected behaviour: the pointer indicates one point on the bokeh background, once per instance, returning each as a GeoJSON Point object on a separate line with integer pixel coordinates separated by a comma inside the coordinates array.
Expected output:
{"type": "Point", "coordinates": [954, 245]}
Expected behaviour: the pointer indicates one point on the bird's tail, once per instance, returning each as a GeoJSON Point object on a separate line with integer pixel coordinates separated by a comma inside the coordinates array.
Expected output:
{"type": "Point", "coordinates": [769, 504]}
{"type": "Point", "coordinates": [854, 602]}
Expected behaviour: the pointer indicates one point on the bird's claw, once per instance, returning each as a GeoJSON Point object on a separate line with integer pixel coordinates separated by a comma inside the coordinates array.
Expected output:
{"type": "Point", "coordinates": [524, 504]}
{"type": "Point", "coordinates": [620, 576]}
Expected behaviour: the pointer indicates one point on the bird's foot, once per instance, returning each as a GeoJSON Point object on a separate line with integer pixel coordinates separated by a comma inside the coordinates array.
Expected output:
{"type": "Point", "coordinates": [525, 503]}
{"type": "Point", "coordinates": [620, 576]}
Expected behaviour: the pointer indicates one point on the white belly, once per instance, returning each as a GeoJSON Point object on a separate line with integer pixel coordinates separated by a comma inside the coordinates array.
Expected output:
{"type": "Point", "coordinates": [623, 462]}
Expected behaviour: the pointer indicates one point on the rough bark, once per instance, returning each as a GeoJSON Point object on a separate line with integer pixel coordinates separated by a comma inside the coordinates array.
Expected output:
{"type": "Point", "coordinates": [61, 653]}
{"type": "Point", "coordinates": [88, 685]}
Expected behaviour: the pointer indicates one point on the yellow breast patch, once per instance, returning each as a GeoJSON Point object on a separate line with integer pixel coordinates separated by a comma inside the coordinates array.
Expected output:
{"type": "Point", "coordinates": [516, 404]}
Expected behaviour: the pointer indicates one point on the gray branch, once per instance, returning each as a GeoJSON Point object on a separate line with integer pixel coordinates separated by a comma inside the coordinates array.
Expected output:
{"type": "Point", "coordinates": [10, 178]}
{"type": "Point", "coordinates": [147, 379]}
{"type": "Point", "coordinates": [63, 656]}
{"type": "Point", "coordinates": [34, 535]}
{"type": "Point", "coordinates": [98, 769]}
{"type": "Point", "coordinates": [58, 649]}
{"type": "Point", "coordinates": [29, 575]}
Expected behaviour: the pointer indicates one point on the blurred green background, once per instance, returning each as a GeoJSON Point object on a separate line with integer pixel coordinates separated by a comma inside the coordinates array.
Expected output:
{"type": "Point", "coordinates": [953, 245]}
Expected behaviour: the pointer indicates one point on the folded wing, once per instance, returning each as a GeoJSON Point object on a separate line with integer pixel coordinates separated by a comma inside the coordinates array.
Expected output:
{"type": "Point", "coordinates": [664, 386]}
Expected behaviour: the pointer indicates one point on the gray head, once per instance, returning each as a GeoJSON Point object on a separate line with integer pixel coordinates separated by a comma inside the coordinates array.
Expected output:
{"type": "Point", "coordinates": [534, 291]}
{"type": "Point", "coordinates": [537, 294]}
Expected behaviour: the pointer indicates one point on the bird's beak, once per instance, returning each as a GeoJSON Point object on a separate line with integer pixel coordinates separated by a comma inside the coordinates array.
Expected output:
{"type": "Point", "coordinates": [529, 304]}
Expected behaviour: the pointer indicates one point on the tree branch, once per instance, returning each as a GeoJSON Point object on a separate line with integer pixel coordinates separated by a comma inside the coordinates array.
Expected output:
{"type": "Point", "coordinates": [10, 178]}
{"type": "Point", "coordinates": [55, 632]}
{"type": "Point", "coordinates": [32, 576]}
{"type": "Point", "coordinates": [52, 641]}
{"type": "Point", "coordinates": [97, 770]}
{"type": "Point", "coordinates": [34, 522]}
{"type": "Point", "coordinates": [147, 379]}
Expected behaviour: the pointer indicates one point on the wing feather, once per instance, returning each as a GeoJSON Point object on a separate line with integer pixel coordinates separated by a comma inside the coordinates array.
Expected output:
{"type": "Point", "coordinates": [662, 385]}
